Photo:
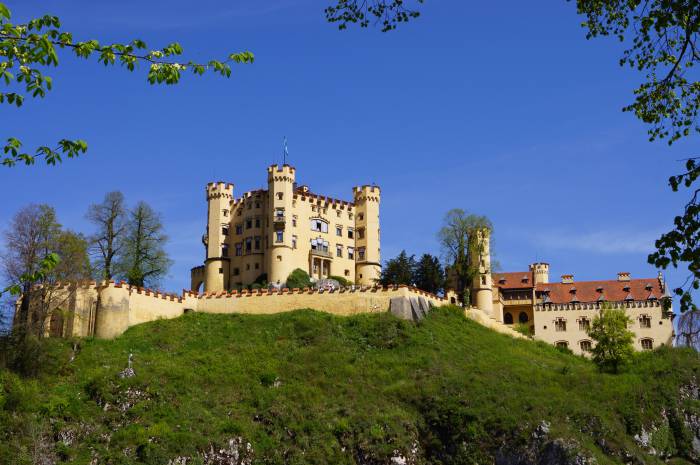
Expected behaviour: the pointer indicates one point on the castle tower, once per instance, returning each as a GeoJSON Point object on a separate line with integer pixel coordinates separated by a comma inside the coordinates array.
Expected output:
{"type": "Point", "coordinates": [367, 253]}
{"type": "Point", "coordinates": [541, 272]}
{"type": "Point", "coordinates": [482, 287]}
{"type": "Point", "coordinates": [216, 273]}
{"type": "Point", "coordinates": [280, 185]}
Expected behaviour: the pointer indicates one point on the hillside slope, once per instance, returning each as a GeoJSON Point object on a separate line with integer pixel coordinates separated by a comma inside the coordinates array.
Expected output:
{"type": "Point", "coordinates": [306, 387]}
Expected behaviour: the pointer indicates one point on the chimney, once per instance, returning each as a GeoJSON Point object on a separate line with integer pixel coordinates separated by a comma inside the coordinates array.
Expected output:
{"type": "Point", "coordinates": [623, 276]}
{"type": "Point", "coordinates": [567, 279]}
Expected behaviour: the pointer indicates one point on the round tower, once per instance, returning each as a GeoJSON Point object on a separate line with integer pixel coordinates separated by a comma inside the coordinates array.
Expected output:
{"type": "Point", "coordinates": [482, 286]}
{"type": "Point", "coordinates": [216, 265]}
{"type": "Point", "coordinates": [280, 190]}
{"type": "Point", "coordinates": [367, 250]}
{"type": "Point", "coordinates": [541, 272]}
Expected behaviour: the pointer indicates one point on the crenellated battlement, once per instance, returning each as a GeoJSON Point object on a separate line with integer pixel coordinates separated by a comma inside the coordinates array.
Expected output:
{"type": "Point", "coordinates": [366, 193]}
{"type": "Point", "coordinates": [280, 173]}
{"type": "Point", "coordinates": [219, 189]}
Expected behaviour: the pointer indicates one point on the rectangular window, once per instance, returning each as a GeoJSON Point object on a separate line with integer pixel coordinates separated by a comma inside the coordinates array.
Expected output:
{"type": "Point", "coordinates": [351, 233]}
{"type": "Point", "coordinates": [339, 251]}
{"type": "Point", "coordinates": [239, 228]}
{"type": "Point", "coordinates": [257, 242]}
{"type": "Point", "coordinates": [257, 266]}
{"type": "Point", "coordinates": [294, 221]}
{"type": "Point", "coordinates": [560, 324]}
{"type": "Point", "coordinates": [294, 242]}
{"type": "Point", "coordinates": [224, 250]}
{"type": "Point", "coordinates": [236, 271]}
{"type": "Point", "coordinates": [351, 253]}
{"type": "Point", "coordinates": [279, 236]}
{"type": "Point", "coordinates": [257, 204]}
{"type": "Point", "coordinates": [361, 253]}
{"type": "Point", "coordinates": [248, 223]}
{"type": "Point", "coordinates": [644, 321]}
{"type": "Point", "coordinates": [361, 233]}
{"type": "Point", "coordinates": [239, 249]}
{"type": "Point", "coordinates": [224, 212]}
{"type": "Point", "coordinates": [647, 344]}
{"type": "Point", "coordinates": [584, 324]}
{"type": "Point", "coordinates": [279, 213]}
{"type": "Point", "coordinates": [248, 245]}
{"type": "Point", "coordinates": [337, 213]}
{"type": "Point", "coordinates": [257, 222]}
{"type": "Point", "coordinates": [320, 226]}
{"type": "Point", "coordinates": [360, 216]}
{"type": "Point", "coordinates": [339, 231]}
{"type": "Point", "coordinates": [224, 230]}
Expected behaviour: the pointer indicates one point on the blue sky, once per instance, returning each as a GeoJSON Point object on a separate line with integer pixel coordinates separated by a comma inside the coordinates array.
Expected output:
{"type": "Point", "coordinates": [502, 109]}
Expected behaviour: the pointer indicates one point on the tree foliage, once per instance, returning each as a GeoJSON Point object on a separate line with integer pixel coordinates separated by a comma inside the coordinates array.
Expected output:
{"type": "Point", "coordinates": [298, 279]}
{"type": "Point", "coordinates": [109, 218]}
{"type": "Point", "coordinates": [461, 249]}
{"type": "Point", "coordinates": [35, 234]}
{"type": "Point", "coordinates": [143, 260]}
{"type": "Point", "coordinates": [388, 14]}
{"type": "Point", "coordinates": [613, 340]}
{"type": "Point", "coordinates": [429, 274]}
{"type": "Point", "coordinates": [661, 38]}
{"type": "Point", "coordinates": [28, 49]}
{"type": "Point", "coordinates": [399, 270]}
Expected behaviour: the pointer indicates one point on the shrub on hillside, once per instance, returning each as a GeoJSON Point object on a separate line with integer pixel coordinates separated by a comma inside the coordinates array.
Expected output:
{"type": "Point", "coordinates": [298, 279]}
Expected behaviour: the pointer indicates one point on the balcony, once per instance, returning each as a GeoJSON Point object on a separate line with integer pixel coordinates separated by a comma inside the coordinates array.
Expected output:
{"type": "Point", "coordinates": [321, 253]}
{"type": "Point", "coordinates": [278, 222]}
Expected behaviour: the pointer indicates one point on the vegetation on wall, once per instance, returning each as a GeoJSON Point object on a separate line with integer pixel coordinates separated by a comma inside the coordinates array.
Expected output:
{"type": "Point", "coordinates": [298, 279]}
{"type": "Point", "coordinates": [308, 387]}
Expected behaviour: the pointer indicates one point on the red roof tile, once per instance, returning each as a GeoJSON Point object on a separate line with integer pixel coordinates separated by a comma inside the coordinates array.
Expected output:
{"type": "Point", "coordinates": [612, 290]}
{"type": "Point", "coordinates": [514, 280]}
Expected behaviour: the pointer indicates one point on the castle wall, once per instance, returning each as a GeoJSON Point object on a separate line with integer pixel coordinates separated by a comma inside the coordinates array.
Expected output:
{"type": "Point", "coordinates": [660, 331]}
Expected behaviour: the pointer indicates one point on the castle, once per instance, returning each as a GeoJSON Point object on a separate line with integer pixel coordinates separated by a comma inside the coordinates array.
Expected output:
{"type": "Point", "coordinates": [266, 234]}
{"type": "Point", "coordinates": [561, 313]}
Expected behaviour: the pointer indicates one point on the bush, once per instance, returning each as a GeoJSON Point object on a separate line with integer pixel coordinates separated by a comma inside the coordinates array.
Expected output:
{"type": "Point", "coordinates": [298, 279]}
{"type": "Point", "coordinates": [523, 328]}
{"type": "Point", "coordinates": [342, 281]}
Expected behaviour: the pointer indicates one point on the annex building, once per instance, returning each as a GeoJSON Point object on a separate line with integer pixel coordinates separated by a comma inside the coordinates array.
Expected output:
{"type": "Point", "coordinates": [268, 233]}
{"type": "Point", "coordinates": [561, 313]}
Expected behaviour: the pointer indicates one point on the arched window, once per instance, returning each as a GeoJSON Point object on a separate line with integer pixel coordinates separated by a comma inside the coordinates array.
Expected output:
{"type": "Point", "coordinates": [647, 344]}
{"type": "Point", "coordinates": [522, 318]}
{"type": "Point", "coordinates": [508, 318]}
{"type": "Point", "coordinates": [562, 344]}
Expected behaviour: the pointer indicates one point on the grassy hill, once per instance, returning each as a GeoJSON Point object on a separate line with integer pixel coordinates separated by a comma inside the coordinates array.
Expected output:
{"type": "Point", "coordinates": [307, 387]}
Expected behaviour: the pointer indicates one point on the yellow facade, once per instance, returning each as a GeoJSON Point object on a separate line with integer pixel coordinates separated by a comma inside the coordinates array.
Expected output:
{"type": "Point", "coordinates": [270, 232]}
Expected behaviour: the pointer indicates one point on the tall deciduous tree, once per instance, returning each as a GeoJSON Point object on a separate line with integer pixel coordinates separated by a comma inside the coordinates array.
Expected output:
{"type": "Point", "coordinates": [613, 340]}
{"type": "Point", "coordinates": [460, 248]}
{"type": "Point", "coordinates": [662, 42]}
{"type": "Point", "coordinates": [429, 274]}
{"type": "Point", "coordinates": [143, 260]}
{"type": "Point", "coordinates": [109, 218]}
{"type": "Point", "coordinates": [399, 270]}
{"type": "Point", "coordinates": [35, 233]}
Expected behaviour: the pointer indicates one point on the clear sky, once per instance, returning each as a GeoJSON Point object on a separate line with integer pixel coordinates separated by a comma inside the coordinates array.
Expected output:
{"type": "Point", "coordinates": [500, 108]}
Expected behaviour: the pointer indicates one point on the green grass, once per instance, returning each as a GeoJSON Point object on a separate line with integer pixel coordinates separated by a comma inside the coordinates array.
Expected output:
{"type": "Point", "coordinates": [308, 387]}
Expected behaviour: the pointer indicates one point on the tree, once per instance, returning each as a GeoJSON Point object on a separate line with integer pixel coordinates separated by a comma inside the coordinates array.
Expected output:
{"type": "Point", "coordinates": [27, 49]}
{"type": "Point", "coordinates": [613, 340]}
{"type": "Point", "coordinates": [298, 279]}
{"type": "Point", "coordinates": [461, 249]}
{"type": "Point", "coordinates": [399, 270]}
{"type": "Point", "coordinates": [662, 43]}
{"type": "Point", "coordinates": [109, 217]}
{"type": "Point", "coordinates": [143, 260]}
{"type": "Point", "coordinates": [388, 13]}
{"type": "Point", "coordinates": [35, 233]}
{"type": "Point", "coordinates": [429, 275]}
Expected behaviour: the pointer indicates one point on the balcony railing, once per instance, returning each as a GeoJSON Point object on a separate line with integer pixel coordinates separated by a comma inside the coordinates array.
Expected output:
{"type": "Point", "coordinates": [278, 221]}
{"type": "Point", "coordinates": [321, 253]}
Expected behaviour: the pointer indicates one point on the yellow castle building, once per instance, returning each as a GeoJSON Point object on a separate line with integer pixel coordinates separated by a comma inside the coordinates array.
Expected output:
{"type": "Point", "coordinates": [268, 233]}
{"type": "Point", "coordinates": [561, 313]}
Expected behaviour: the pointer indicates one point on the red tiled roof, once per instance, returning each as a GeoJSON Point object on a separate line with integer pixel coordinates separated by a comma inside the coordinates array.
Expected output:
{"type": "Point", "coordinates": [611, 290]}
{"type": "Point", "coordinates": [514, 280]}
